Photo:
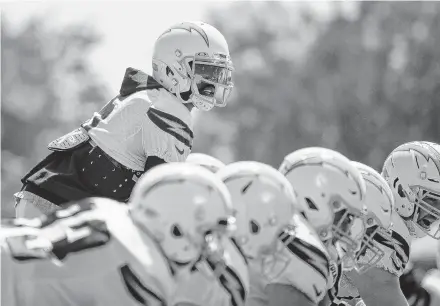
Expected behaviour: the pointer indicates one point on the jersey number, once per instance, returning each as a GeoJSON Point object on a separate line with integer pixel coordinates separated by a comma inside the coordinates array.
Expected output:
{"type": "Point", "coordinates": [137, 290]}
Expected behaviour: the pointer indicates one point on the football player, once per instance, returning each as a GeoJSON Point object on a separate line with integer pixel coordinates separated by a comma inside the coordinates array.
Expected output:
{"type": "Point", "coordinates": [378, 245]}
{"type": "Point", "coordinates": [412, 171]}
{"type": "Point", "coordinates": [177, 215]}
{"type": "Point", "coordinates": [333, 192]}
{"type": "Point", "coordinates": [146, 124]}
{"type": "Point", "coordinates": [205, 285]}
{"type": "Point", "coordinates": [288, 264]}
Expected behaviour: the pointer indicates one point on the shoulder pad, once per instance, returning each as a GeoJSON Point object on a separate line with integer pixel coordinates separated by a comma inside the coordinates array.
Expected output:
{"type": "Point", "coordinates": [69, 141]}
{"type": "Point", "coordinates": [397, 250]}
{"type": "Point", "coordinates": [305, 255]}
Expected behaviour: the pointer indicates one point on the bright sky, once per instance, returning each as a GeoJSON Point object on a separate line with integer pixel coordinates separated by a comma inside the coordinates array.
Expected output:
{"type": "Point", "coordinates": [129, 28]}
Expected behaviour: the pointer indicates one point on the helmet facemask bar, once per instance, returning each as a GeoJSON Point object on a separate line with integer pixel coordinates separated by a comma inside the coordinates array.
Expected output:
{"type": "Point", "coordinates": [347, 227]}
{"type": "Point", "coordinates": [210, 77]}
{"type": "Point", "coordinates": [370, 253]}
{"type": "Point", "coordinates": [427, 213]}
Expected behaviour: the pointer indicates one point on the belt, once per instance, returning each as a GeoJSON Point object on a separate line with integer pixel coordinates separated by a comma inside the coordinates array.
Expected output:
{"type": "Point", "coordinates": [111, 159]}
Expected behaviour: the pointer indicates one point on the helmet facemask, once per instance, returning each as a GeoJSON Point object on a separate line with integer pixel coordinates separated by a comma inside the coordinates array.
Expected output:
{"type": "Point", "coordinates": [421, 207]}
{"type": "Point", "coordinates": [347, 231]}
{"type": "Point", "coordinates": [210, 247]}
{"type": "Point", "coordinates": [273, 264]}
{"type": "Point", "coordinates": [426, 215]}
{"type": "Point", "coordinates": [347, 227]}
{"type": "Point", "coordinates": [210, 79]}
{"type": "Point", "coordinates": [370, 253]}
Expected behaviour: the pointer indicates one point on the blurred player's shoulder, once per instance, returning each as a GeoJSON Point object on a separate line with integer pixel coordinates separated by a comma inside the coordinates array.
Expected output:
{"type": "Point", "coordinates": [205, 287]}
{"type": "Point", "coordinates": [94, 244]}
{"type": "Point", "coordinates": [235, 279]}
{"type": "Point", "coordinates": [136, 250]}
{"type": "Point", "coordinates": [302, 262]}
{"type": "Point", "coordinates": [305, 233]}
{"type": "Point", "coordinates": [397, 250]}
{"type": "Point", "coordinates": [309, 259]}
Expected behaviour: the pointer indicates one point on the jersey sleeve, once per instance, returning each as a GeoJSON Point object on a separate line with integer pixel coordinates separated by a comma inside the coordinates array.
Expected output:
{"type": "Point", "coordinates": [166, 136]}
{"type": "Point", "coordinates": [307, 258]}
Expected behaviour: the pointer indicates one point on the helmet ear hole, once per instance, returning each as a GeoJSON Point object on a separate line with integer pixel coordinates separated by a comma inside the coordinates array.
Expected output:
{"type": "Point", "coordinates": [311, 204]}
{"type": "Point", "coordinates": [400, 191]}
{"type": "Point", "coordinates": [169, 72]}
{"type": "Point", "coordinates": [254, 227]}
{"type": "Point", "coordinates": [176, 231]}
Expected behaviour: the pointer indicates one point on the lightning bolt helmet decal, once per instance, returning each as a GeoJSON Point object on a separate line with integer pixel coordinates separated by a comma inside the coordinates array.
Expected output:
{"type": "Point", "coordinates": [189, 26]}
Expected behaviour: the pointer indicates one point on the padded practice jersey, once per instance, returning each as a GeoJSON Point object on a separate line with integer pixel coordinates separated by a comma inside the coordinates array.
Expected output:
{"type": "Point", "coordinates": [302, 261]}
{"type": "Point", "coordinates": [147, 122]}
{"type": "Point", "coordinates": [229, 288]}
{"type": "Point", "coordinates": [128, 269]}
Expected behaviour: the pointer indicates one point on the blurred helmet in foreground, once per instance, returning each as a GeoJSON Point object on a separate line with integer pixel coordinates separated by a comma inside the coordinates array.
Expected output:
{"type": "Point", "coordinates": [265, 204]}
{"type": "Point", "coordinates": [333, 192]}
{"type": "Point", "coordinates": [183, 207]}
{"type": "Point", "coordinates": [207, 161]}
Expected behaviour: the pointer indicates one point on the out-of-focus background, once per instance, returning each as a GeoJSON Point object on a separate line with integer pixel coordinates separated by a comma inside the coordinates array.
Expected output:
{"type": "Point", "coordinates": [358, 77]}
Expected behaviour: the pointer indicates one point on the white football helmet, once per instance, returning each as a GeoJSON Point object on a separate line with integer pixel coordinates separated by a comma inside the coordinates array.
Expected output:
{"type": "Point", "coordinates": [380, 205]}
{"type": "Point", "coordinates": [333, 193]}
{"type": "Point", "coordinates": [185, 208]}
{"type": "Point", "coordinates": [191, 59]}
{"type": "Point", "coordinates": [207, 161]}
{"type": "Point", "coordinates": [265, 204]}
{"type": "Point", "coordinates": [413, 172]}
